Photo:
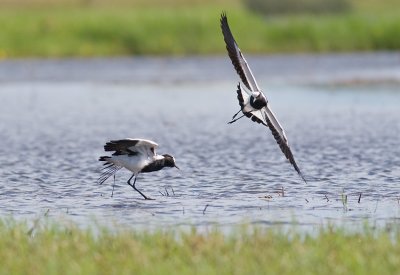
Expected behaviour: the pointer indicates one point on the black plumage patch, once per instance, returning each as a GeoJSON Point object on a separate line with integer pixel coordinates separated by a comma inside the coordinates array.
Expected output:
{"type": "Point", "coordinates": [258, 103]}
{"type": "Point", "coordinates": [119, 145]}
{"type": "Point", "coordinates": [240, 96]}
{"type": "Point", "coordinates": [153, 166]}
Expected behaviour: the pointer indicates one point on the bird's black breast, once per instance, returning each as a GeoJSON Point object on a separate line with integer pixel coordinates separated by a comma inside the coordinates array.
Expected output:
{"type": "Point", "coordinates": [258, 103]}
{"type": "Point", "coordinates": [153, 166]}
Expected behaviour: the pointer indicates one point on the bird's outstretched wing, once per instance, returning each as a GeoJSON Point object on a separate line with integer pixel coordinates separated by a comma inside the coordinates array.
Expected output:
{"type": "Point", "coordinates": [130, 146]}
{"type": "Point", "coordinates": [280, 137]}
{"type": "Point", "coordinates": [237, 58]}
{"type": "Point", "coordinates": [266, 117]}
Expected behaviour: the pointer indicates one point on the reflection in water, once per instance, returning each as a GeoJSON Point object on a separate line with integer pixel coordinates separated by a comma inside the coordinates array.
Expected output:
{"type": "Point", "coordinates": [345, 139]}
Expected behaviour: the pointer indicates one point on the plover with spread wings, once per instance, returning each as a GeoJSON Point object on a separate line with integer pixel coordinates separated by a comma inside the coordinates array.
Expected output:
{"type": "Point", "coordinates": [136, 155]}
{"type": "Point", "coordinates": [253, 103]}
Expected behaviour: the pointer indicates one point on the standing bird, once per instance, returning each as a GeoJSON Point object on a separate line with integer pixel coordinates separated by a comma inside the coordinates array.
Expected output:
{"type": "Point", "coordinates": [136, 155]}
{"type": "Point", "coordinates": [253, 103]}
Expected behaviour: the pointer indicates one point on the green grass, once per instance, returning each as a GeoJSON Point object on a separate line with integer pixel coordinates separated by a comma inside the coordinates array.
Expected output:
{"type": "Point", "coordinates": [69, 250]}
{"type": "Point", "coordinates": [70, 32]}
{"type": "Point", "coordinates": [81, 28]}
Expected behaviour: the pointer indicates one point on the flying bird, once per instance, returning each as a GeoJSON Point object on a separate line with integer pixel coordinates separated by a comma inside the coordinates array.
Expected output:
{"type": "Point", "coordinates": [136, 155]}
{"type": "Point", "coordinates": [253, 103]}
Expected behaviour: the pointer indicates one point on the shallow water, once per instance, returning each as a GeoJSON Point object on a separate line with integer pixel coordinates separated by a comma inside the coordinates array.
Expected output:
{"type": "Point", "coordinates": [344, 136]}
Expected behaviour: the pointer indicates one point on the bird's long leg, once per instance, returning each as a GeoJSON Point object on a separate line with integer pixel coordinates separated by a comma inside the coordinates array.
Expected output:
{"type": "Point", "coordinates": [234, 120]}
{"type": "Point", "coordinates": [236, 114]}
{"type": "Point", "coordinates": [137, 190]}
{"type": "Point", "coordinates": [129, 181]}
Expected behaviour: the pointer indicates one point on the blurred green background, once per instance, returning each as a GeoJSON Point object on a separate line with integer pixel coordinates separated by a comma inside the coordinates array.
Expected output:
{"type": "Point", "coordinates": [67, 28]}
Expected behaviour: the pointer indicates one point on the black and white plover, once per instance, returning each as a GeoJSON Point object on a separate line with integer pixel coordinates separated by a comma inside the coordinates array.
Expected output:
{"type": "Point", "coordinates": [136, 155]}
{"type": "Point", "coordinates": [253, 103]}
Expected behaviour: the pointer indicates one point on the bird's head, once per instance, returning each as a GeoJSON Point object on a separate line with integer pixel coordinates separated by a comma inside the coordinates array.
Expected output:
{"type": "Point", "coordinates": [169, 161]}
{"type": "Point", "coordinates": [258, 100]}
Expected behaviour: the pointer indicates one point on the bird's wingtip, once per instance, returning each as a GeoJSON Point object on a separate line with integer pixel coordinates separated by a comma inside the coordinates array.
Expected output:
{"type": "Point", "coordinates": [223, 17]}
{"type": "Point", "coordinates": [302, 177]}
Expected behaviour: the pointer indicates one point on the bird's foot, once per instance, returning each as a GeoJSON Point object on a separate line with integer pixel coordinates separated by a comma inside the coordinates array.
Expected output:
{"type": "Point", "coordinates": [148, 198]}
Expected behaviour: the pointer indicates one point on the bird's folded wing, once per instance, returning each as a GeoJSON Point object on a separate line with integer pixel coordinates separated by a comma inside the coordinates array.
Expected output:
{"type": "Point", "coordinates": [238, 60]}
{"type": "Point", "coordinates": [132, 146]}
{"type": "Point", "coordinates": [242, 96]}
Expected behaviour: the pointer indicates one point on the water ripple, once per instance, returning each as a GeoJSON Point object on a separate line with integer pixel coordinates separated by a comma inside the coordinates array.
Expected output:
{"type": "Point", "coordinates": [52, 135]}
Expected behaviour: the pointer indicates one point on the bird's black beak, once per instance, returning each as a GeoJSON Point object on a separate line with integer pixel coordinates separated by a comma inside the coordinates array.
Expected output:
{"type": "Point", "coordinates": [177, 167]}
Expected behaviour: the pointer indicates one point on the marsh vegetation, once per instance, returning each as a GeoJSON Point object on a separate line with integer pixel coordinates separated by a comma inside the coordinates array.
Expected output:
{"type": "Point", "coordinates": [53, 249]}
{"type": "Point", "coordinates": [174, 27]}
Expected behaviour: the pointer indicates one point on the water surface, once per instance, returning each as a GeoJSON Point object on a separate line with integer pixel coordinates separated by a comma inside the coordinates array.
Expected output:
{"type": "Point", "coordinates": [343, 129]}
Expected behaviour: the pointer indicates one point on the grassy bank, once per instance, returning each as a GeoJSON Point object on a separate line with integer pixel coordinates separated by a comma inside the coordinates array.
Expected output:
{"type": "Point", "coordinates": [53, 250]}
{"type": "Point", "coordinates": [174, 27]}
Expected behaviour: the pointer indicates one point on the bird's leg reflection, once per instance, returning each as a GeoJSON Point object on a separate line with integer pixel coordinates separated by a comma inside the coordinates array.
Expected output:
{"type": "Point", "coordinates": [112, 192]}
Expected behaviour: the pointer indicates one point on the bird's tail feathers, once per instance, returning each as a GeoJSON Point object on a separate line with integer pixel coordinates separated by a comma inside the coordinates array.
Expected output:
{"type": "Point", "coordinates": [109, 170]}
